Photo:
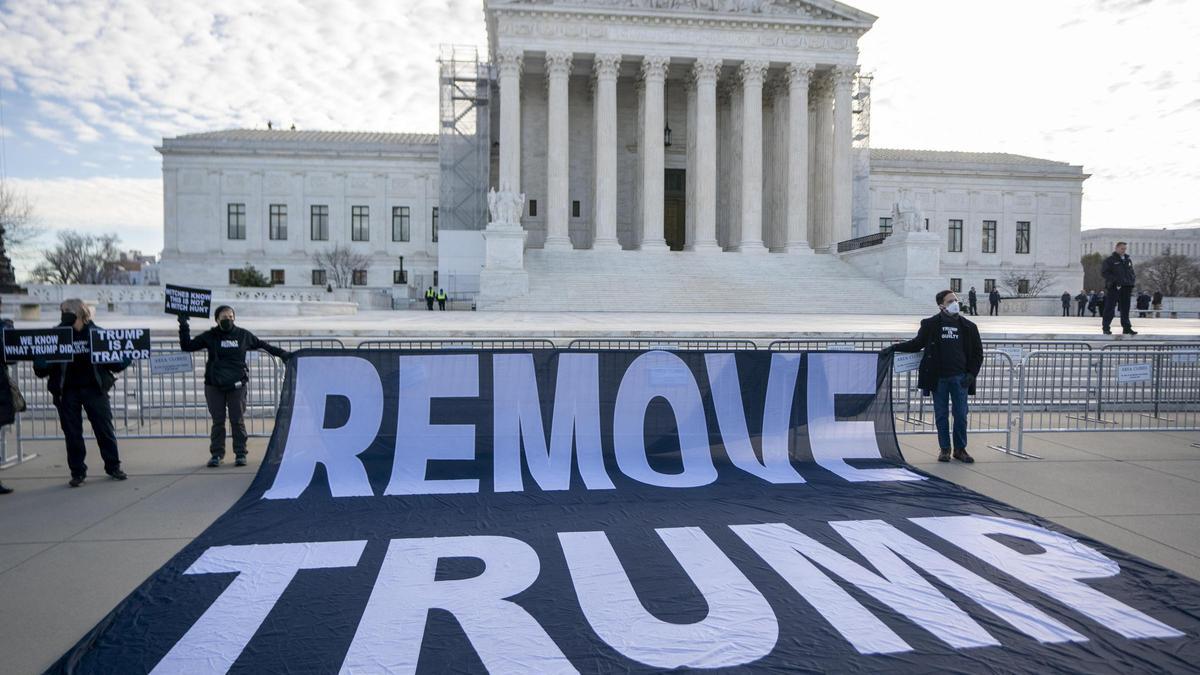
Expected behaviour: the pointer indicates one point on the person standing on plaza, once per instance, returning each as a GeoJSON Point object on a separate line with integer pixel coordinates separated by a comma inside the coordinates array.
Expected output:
{"type": "Point", "coordinates": [78, 386]}
{"type": "Point", "coordinates": [441, 299]}
{"type": "Point", "coordinates": [11, 401]}
{"type": "Point", "coordinates": [994, 303]}
{"type": "Point", "coordinates": [1156, 303]}
{"type": "Point", "coordinates": [1119, 277]}
{"type": "Point", "coordinates": [972, 300]}
{"type": "Point", "coordinates": [1066, 303]}
{"type": "Point", "coordinates": [1081, 300]}
{"type": "Point", "coordinates": [429, 298]}
{"type": "Point", "coordinates": [952, 358]}
{"type": "Point", "coordinates": [225, 378]}
{"type": "Point", "coordinates": [1143, 303]}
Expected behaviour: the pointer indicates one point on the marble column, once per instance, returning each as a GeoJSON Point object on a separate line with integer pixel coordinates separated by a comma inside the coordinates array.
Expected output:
{"type": "Point", "coordinates": [558, 71]}
{"type": "Point", "coordinates": [509, 62]}
{"type": "Point", "coordinates": [796, 209]}
{"type": "Point", "coordinates": [752, 73]}
{"type": "Point", "coordinates": [843, 164]}
{"type": "Point", "coordinates": [606, 68]}
{"type": "Point", "coordinates": [689, 210]}
{"type": "Point", "coordinates": [705, 73]}
{"type": "Point", "coordinates": [823, 165]}
{"type": "Point", "coordinates": [654, 74]}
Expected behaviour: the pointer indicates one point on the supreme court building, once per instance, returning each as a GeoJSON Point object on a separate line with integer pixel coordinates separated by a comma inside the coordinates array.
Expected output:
{"type": "Point", "coordinates": [673, 155]}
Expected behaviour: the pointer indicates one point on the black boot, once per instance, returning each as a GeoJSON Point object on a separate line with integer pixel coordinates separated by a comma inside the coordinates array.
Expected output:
{"type": "Point", "coordinates": [5, 490]}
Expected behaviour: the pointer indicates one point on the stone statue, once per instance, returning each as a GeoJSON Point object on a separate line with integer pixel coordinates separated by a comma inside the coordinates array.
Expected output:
{"type": "Point", "coordinates": [505, 207]}
{"type": "Point", "coordinates": [907, 215]}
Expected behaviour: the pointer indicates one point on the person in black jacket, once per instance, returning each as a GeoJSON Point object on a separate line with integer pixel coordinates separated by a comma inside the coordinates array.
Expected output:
{"type": "Point", "coordinates": [1156, 302]}
{"type": "Point", "coordinates": [1119, 277]}
{"type": "Point", "coordinates": [79, 386]}
{"type": "Point", "coordinates": [225, 378]}
{"type": "Point", "coordinates": [994, 303]}
{"type": "Point", "coordinates": [8, 408]}
{"type": "Point", "coordinates": [972, 300]}
{"type": "Point", "coordinates": [1143, 303]}
{"type": "Point", "coordinates": [1066, 303]}
{"type": "Point", "coordinates": [1081, 300]}
{"type": "Point", "coordinates": [951, 362]}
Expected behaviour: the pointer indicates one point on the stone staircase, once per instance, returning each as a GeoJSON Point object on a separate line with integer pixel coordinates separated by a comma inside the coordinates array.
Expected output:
{"type": "Point", "coordinates": [633, 281]}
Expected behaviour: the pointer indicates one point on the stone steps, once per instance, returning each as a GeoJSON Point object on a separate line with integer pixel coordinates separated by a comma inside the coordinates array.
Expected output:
{"type": "Point", "coordinates": [701, 282]}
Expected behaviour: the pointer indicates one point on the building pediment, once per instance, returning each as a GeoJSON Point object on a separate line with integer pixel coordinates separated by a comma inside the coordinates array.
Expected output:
{"type": "Point", "coordinates": [810, 10]}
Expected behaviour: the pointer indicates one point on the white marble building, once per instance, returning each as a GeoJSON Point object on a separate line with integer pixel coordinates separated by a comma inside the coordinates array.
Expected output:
{"type": "Point", "coordinates": [654, 140]}
{"type": "Point", "coordinates": [1143, 244]}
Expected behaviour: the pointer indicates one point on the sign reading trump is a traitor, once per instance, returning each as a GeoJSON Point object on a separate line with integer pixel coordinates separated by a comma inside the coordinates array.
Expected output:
{"type": "Point", "coordinates": [567, 511]}
{"type": "Point", "coordinates": [120, 344]}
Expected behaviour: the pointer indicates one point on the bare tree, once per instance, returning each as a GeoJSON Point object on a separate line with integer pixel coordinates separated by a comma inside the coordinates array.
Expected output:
{"type": "Point", "coordinates": [17, 217]}
{"type": "Point", "coordinates": [79, 258]}
{"type": "Point", "coordinates": [1037, 281]}
{"type": "Point", "coordinates": [340, 263]}
{"type": "Point", "coordinates": [1174, 275]}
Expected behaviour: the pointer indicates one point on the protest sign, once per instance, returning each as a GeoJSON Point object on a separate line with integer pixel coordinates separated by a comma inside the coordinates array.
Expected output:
{"type": "Point", "coordinates": [119, 344]}
{"type": "Point", "coordinates": [44, 344]}
{"type": "Point", "coordinates": [186, 301]}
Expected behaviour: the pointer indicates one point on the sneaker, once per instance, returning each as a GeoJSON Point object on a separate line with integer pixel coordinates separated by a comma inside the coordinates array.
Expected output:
{"type": "Point", "coordinates": [5, 490]}
{"type": "Point", "coordinates": [76, 481]}
{"type": "Point", "coordinates": [240, 461]}
{"type": "Point", "coordinates": [1107, 331]}
{"type": "Point", "coordinates": [944, 456]}
{"type": "Point", "coordinates": [117, 474]}
{"type": "Point", "coordinates": [214, 462]}
{"type": "Point", "coordinates": [962, 456]}
{"type": "Point", "coordinates": [1129, 332]}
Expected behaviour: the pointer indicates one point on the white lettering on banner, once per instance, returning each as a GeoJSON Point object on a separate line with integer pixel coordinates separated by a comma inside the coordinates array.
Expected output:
{"type": "Point", "coordinates": [506, 637]}
{"type": "Point", "coordinates": [775, 466]}
{"type": "Point", "coordinates": [264, 571]}
{"type": "Point", "coordinates": [833, 441]}
{"type": "Point", "coordinates": [1128, 373]}
{"type": "Point", "coordinates": [309, 443]}
{"type": "Point", "coordinates": [418, 442]}
{"type": "Point", "coordinates": [739, 627]}
{"type": "Point", "coordinates": [906, 363]}
{"type": "Point", "coordinates": [642, 383]}
{"type": "Point", "coordinates": [1055, 571]}
{"type": "Point", "coordinates": [576, 423]}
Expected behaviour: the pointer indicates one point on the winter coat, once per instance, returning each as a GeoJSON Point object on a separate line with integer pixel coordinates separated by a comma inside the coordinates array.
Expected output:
{"type": "Point", "coordinates": [8, 411]}
{"type": "Point", "coordinates": [1143, 301]}
{"type": "Point", "coordinates": [928, 338]}
{"type": "Point", "coordinates": [1158, 297]}
{"type": "Point", "coordinates": [226, 365]}
{"type": "Point", "coordinates": [1117, 270]}
{"type": "Point", "coordinates": [56, 373]}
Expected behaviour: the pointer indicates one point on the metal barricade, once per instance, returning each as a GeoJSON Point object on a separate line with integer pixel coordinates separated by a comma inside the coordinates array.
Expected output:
{"type": "Point", "coordinates": [682, 344]}
{"type": "Point", "coordinates": [834, 344]}
{"type": "Point", "coordinates": [456, 343]}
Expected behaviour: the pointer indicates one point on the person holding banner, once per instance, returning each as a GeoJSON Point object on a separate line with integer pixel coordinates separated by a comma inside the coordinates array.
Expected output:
{"type": "Point", "coordinates": [226, 377]}
{"type": "Point", "coordinates": [78, 386]}
{"type": "Point", "coordinates": [953, 355]}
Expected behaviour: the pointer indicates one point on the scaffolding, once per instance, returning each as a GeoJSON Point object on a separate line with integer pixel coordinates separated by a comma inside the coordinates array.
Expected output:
{"type": "Point", "coordinates": [464, 141]}
{"type": "Point", "coordinates": [860, 214]}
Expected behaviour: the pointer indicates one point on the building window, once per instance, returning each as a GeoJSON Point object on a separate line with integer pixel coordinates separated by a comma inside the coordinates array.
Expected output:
{"type": "Point", "coordinates": [926, 224]}
{"type": "Point", "coordinates": [360, 224]}
{"type": "Point", "coordinates": [359, 278]}
{"type": "Point", "coordinates": [885, 225]}
{"type": "Point", "coordinates": [276, 277]}
{"type": "Point", "coordinates": [278, 221]}
{"type": "Point", "coordinates": [533, 208]}
{"type": "Point", "coordinates": [400, 223]}
{"type": "Point", "coordinates": [956, 285]}
{"type": "Point", "coordinates": [318, 278]}
{"type": "Point", "coordinates": [989, 285]}
{"type": "Point", "coordinates": [433, 224]}
{"type": "Point", "coordinates": [233, 277]}
{"type": "Point", "coordinates": [575, 209]}
{"type": "Point", "coordinates": [989, 236]}
{"type": "Point", "coordinates": [399, 277]}
{"type": "Point", "coordinates": [435, 277]}
{"type": "Point", "coordinates": [237, 221]}
{"type": "Point", "coordinates": [1023, 236]}
{"type": "Point", "coordinates": [1022, 287]}
{"type": "Point", "coordinates": [955, 237]}
{"type": "Point", "coordinates": [320, 222]}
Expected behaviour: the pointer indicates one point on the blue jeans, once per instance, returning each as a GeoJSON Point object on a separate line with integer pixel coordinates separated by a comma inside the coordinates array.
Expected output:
{"type": "Point", "coordinates": [951, 390]}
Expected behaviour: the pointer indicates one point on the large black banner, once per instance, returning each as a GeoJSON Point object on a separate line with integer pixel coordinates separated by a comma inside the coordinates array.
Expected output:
{"type": "Point", "coordinates": [564, 511]}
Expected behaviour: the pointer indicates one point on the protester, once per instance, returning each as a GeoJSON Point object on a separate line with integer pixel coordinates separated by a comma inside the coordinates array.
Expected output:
{"type": "Point", "coordinates": [971, 302]}
{"type": "Point", "coordinates": [225, 378]}
{"type": "Point", "coordinates": [441, 299]}
{"type": "Point", "coordinates": [79, 386]}
{"type": "Point", "coordinates": [1143, 304]}
{"type": "Point", "coordinates": [1156, 302]}
{"type": "Point", "coordinates": [1099, 304]}
{"type": "Point", "coordinates": [1119, 278]}
{"type": "Point", "coordinates": [1081, 300]}
{"type": "Point", "coordinates": [11, 401]}
{"type": "Point", "coordinates": [951, 362]}
{"type": "Point", "coordinates": [429, 295]}
{"type": "Point", "coordinates": [994, 303]}
{"type": "Point", "coordinates": [1066, 303]}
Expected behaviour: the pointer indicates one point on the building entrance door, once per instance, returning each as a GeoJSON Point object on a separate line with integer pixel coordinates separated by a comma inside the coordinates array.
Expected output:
{"type": "Point", "coordinates": [674, 208]}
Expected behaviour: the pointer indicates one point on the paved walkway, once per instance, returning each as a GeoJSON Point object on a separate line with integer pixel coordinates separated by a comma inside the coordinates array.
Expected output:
{"type": "Point", "coordinates": [67, 556]}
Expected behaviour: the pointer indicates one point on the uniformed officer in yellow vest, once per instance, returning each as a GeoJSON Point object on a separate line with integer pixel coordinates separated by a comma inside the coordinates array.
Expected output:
{"type": "Point", "coordinates": [429, 298]}
{"type": "Point", "coordinates": [441, 298]}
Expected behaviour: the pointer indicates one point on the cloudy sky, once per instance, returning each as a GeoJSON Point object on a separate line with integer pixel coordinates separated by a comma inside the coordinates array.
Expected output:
{"type": "Point", "coordinates": [89, 87]}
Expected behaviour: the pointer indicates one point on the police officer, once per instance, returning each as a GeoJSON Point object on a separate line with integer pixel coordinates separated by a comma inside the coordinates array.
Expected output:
{"type": "Point", "coordinates": [79, 386]}
{"type": "Point", "coordinates": [225, 378]}
{"type": "Point", "coordinates": [994, 303]}
{"type": "Point", "coordinates": [429, 295]}
{"type": "Point", "coordinates": [1119, 277]}
{"type": "Point", "coordinates": [441, 298]}
{"type": "Point", "coordinates": [1066, 303]}
{"type": "Point", "coordinates": [1081, 300]}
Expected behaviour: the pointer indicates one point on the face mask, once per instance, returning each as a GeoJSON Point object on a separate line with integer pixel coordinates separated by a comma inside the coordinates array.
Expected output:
{"type": "Point", "coordinates": [226, 324]}
{"type": "Point", "coordinates": [68, 318]}
{"type": "Point", "coordinates": [952, 308]}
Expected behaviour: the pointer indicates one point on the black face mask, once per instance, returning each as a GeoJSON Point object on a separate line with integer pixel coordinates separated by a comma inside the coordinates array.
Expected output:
{"type": "Point", "coordinates": [68, 319]}
{"type": "Point", "coordinates": [226, 324]}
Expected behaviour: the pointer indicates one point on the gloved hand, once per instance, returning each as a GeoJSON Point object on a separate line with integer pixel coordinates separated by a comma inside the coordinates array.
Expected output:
{"type": "Point", "coordinates": [887, 352]}
{"type": "Point", "coordinates": [126, 362]}
{"type": "Point", "coordinates": [183, 319]}
{"type": "Point", "coordinates": [40, 363]}
{"type": "Point", "coordinates": [968, 381]}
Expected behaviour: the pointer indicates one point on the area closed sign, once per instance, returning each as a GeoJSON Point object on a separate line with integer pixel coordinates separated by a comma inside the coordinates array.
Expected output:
{"type": "Point", "coordinates": [1130, 373]}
